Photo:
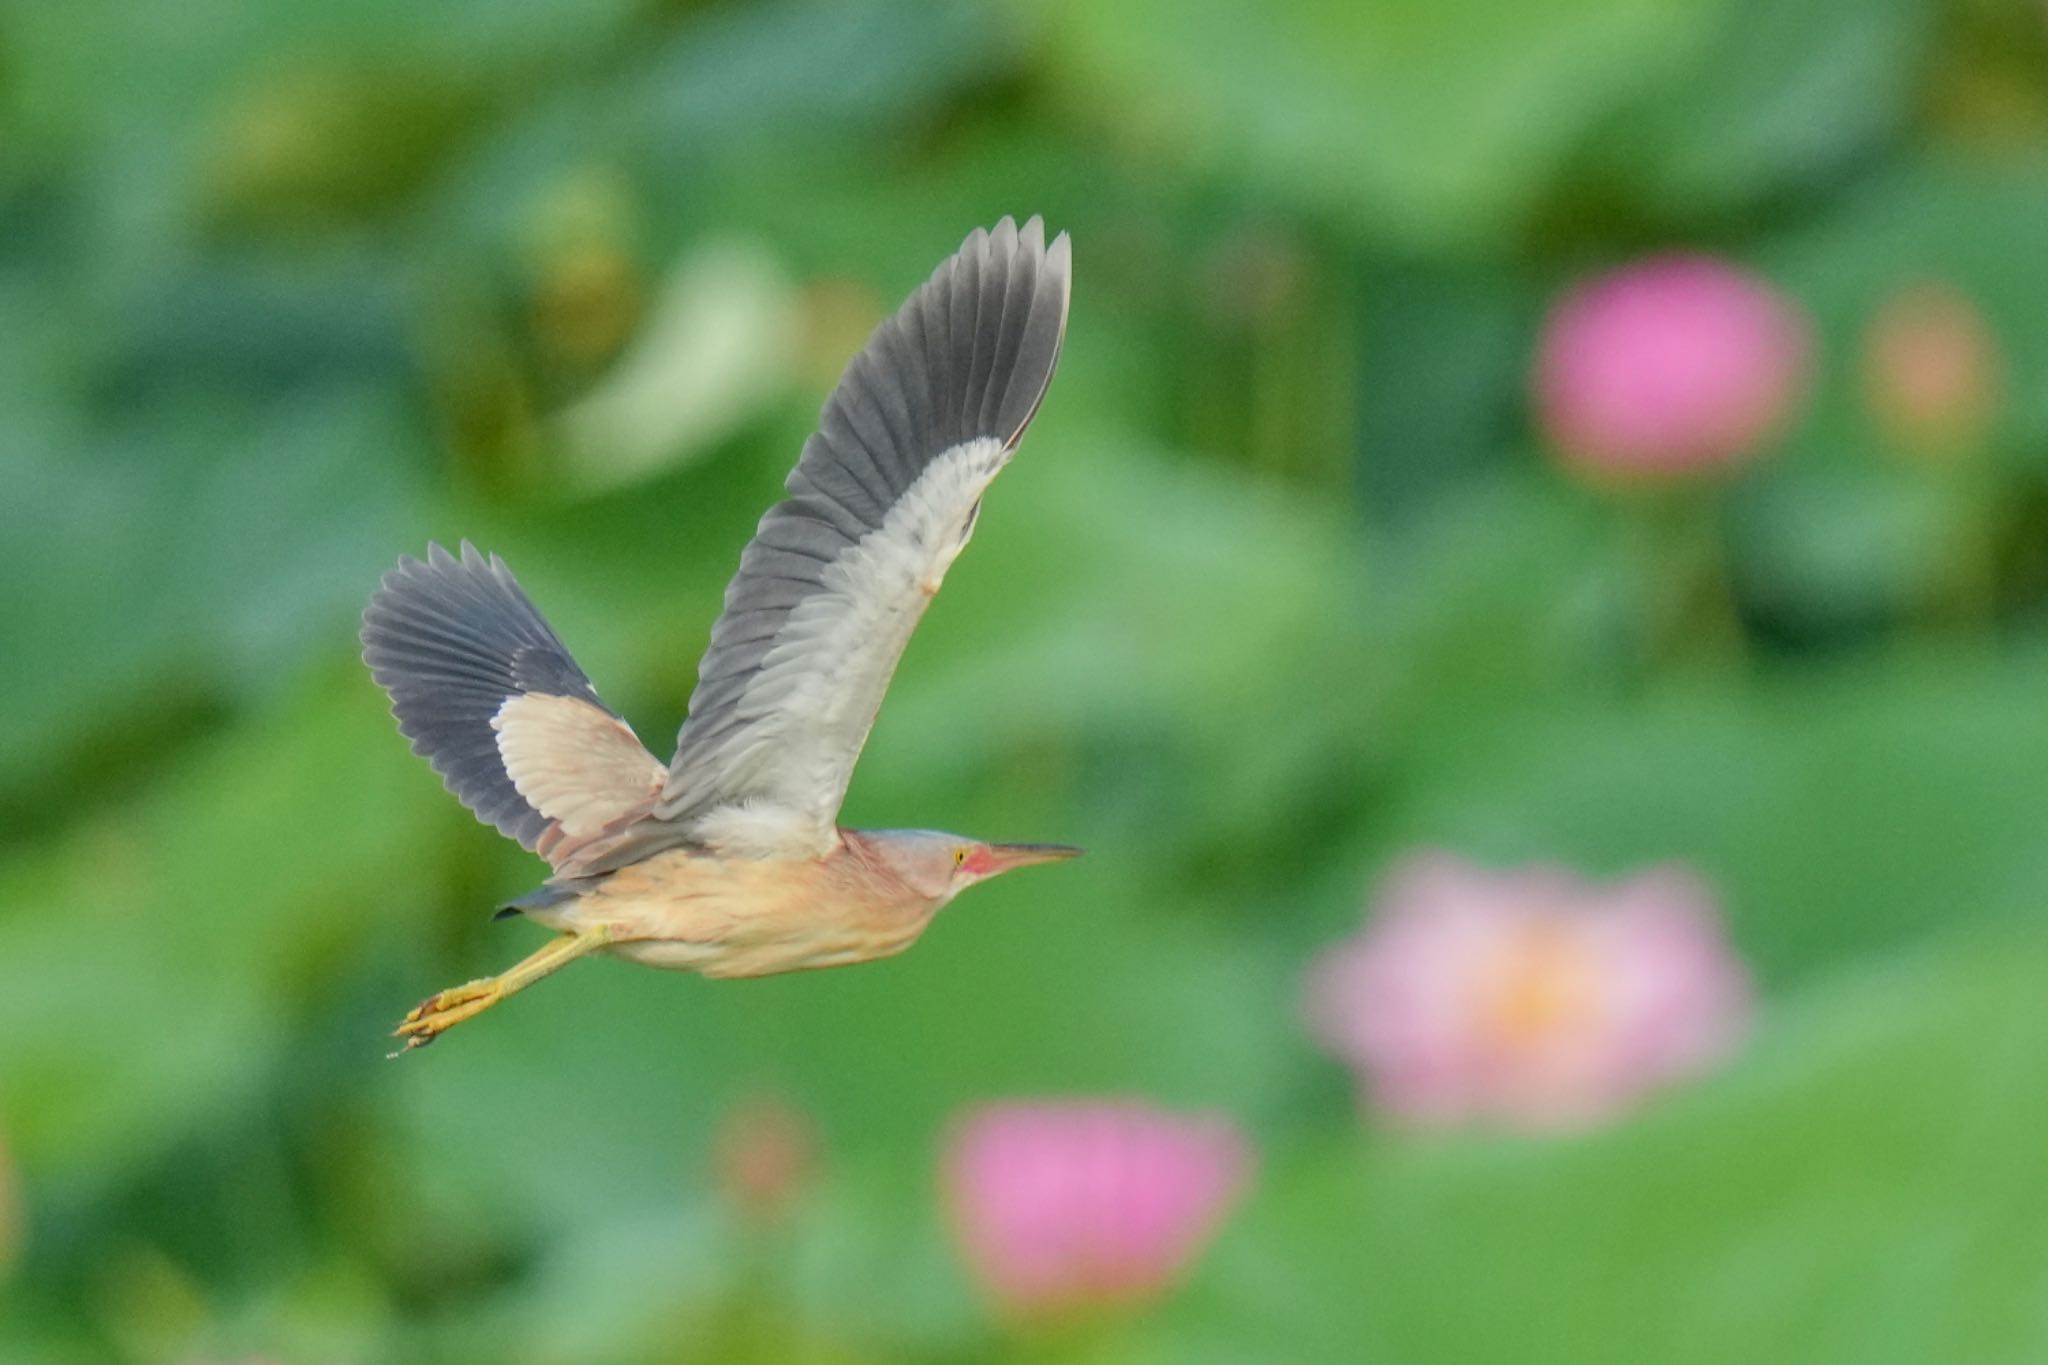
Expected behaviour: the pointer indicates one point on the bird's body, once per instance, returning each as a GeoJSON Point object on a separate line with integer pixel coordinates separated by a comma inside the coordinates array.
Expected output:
{"type": "Point", "coordinates": [728, 860]}
{"type": "Point", "coordinates": [721, 916]}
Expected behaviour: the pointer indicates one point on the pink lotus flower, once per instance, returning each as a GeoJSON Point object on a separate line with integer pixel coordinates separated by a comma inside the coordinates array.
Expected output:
{"type": "Point", "coordinates": [1932, 372]}
{"type": "Point", "coordinates": [1675, 364]}
{"type": "Point", "coordinates": [1060, 1207]}
{"type": "Point", "coordinates": [1530, 999]}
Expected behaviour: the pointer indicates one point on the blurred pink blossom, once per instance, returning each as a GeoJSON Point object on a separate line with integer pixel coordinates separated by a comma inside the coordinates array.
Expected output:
{"type": "Point", "coordinates": [1060, 1207]}
{"type": "Point", "coordinates": [1933, 374]}
{"type": "Point", "coordinates": [1674, 364]}
{"type": "Point", "coordinates": [765, 1156]}
{"type": "Point", "coordinates": [1530, 999]}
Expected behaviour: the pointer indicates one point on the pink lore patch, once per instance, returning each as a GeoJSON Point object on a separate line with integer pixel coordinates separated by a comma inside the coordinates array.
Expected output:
{"type": "Point", "coordinates": [1062, 1205]}
{"type": "Point", "coordinates": [1675, 363]}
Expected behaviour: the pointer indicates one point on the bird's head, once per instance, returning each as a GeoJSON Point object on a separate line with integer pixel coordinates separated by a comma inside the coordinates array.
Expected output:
{"type": "Point", "coordinates": [940, 866]}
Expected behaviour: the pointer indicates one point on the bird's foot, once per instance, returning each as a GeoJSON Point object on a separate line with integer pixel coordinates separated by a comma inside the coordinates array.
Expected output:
{"type": "Point", "coordinates": [444, 1010]}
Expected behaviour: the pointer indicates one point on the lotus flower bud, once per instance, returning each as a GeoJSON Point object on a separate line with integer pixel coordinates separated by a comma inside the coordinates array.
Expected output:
{"type": "Point", "coordinates": [1674, 365]}
{"type": "Point", "coordinates": [1060, 1208]}
{"type": "Point", "coordinates": [1932, 371]}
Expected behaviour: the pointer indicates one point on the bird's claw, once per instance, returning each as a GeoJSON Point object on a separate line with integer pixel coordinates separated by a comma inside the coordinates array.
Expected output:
{"type": "Point", "coordinates": [442, 1011]}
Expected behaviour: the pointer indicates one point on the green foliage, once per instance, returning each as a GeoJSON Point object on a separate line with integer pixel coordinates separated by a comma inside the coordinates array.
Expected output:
{"type": "Point", "coordinates": [1282, 587]}
{"type": "Point", "coordinates": [1854, 1192]}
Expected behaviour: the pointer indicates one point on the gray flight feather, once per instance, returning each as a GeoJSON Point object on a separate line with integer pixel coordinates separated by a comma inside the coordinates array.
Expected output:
{"type": "Point", "coordinates": [452, 640]}
{"type": "Point", "coordinates": [952, 379]}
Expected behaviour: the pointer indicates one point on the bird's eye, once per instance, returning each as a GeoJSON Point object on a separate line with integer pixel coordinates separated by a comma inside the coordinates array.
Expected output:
{"type": "Point", "coordinates": [959, 856]}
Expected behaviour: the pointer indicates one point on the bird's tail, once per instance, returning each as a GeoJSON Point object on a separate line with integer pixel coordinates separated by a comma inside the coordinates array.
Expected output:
{"type": "Point", "coordinates": [544, 897]}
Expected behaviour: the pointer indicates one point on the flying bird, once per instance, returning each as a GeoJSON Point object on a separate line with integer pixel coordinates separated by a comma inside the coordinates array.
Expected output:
{"type": "Point", "coordinates": [729, 860]}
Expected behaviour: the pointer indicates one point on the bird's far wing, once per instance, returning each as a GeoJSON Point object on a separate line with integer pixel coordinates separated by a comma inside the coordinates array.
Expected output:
{"type": "Point", "coordinates": [488, 694]}
{"type": "Point", "coordinates": [836, 577]}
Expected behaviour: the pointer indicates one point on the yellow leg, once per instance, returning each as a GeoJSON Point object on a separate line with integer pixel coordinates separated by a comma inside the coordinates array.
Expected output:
{"type": "Point", "coordinates": [442, 1011]}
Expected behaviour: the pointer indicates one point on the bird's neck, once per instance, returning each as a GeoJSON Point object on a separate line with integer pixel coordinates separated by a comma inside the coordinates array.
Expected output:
{"type": "Point", "coordinates": [865, 856]}
{"type": "Point", "coordinates": [859, 848]}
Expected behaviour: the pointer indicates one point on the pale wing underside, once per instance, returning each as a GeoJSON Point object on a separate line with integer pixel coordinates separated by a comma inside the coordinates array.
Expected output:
{"type": "Point", "coordinates": [577, 764]}
{"type": "Point", "coordinates": [816, 693]}
{"type": "Point", "coordinates": [883, 498]}
{"type": "Point", "coordinates": [490, 696]}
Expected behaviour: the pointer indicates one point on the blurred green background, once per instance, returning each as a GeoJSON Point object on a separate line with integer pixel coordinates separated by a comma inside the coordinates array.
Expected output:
{"type": "Point", "coordinates": [1283, 585]}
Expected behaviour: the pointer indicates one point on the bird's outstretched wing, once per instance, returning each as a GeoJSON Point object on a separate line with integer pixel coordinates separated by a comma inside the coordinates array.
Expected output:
{"type": "Point", "coordinates": [488, 694]}
{"type": "Point", "coordinates": [836, 577]}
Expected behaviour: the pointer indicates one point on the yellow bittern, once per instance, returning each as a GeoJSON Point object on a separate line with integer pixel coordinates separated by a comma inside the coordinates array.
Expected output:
{"type": "Point", "coordinates": [729, 860]}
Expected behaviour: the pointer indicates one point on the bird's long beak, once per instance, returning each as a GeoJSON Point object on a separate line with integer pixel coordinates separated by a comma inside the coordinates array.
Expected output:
{"type": "Point", "coordinates": [994, 859]}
